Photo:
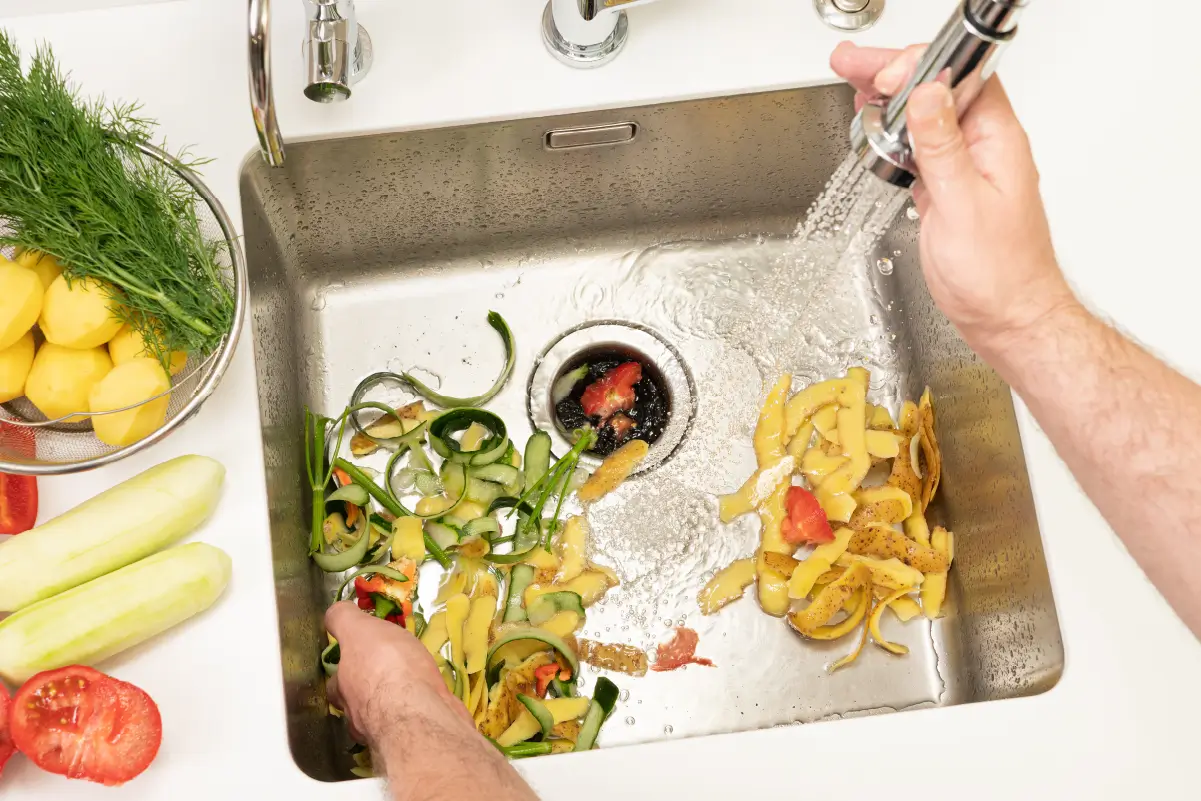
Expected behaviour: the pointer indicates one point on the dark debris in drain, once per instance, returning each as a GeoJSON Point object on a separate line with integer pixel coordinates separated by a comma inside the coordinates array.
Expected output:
{"type": "Point", "coordinates": [621, 394]}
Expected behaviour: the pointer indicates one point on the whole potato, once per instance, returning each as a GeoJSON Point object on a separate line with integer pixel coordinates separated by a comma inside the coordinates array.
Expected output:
{"type": "Point", "coordinates": [131, 382]}
{"type": "Point", "coordinates": [21, 296]}
{"type": "Point", "coordinates": [61, 378]}
{"type": "Point", "coordinates": [81, 314]}
{"type": "Point", "coordinates": [15, 361]}
{"type": "Point", "coordinates": [128, 344]}
{"type": "Point", "coordinates": [45, 265]}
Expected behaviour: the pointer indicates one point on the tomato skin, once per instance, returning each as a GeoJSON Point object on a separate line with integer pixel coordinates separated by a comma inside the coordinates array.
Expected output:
{"type": "Point", "coordinates": [79, 723]}
{"type": "Point", "coordinates": [613, 392]}
{"type": "Point", "coordinates": [18, 503]}
{"type": "Point", "coordinates": [6, 741]}
{"type": "Point", "coordinates": [806, 523]}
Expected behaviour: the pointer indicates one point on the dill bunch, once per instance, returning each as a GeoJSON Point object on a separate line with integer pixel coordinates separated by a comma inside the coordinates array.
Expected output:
{"type": "Point", "coordinates": [73, 184]}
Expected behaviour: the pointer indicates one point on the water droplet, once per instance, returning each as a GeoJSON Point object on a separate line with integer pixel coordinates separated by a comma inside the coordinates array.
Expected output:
{"type": "Point", "coordinates": [318, 302]}
{"type": "Point", "coordinates": [874, 319]}
{"type": "Point", "coordinates": [896, 253]}
{"type": "Point", "coordinates": [594, 668]}
{"type": "Point", "coordinates": [624, 695]}
{"type": "Point", "coordinates": [884, 265]}
{"type": "Point", "coordinates": [680, 622]}
{"type": "Point", "coordinates": [668, 729]}
{"type": "Point", "coordinates": [500, 295]}
{"type": "Point", "coordinates": [667, 622]}
{"type": "Point", "coordinates": [911, 213]}
{"type": "Point", "coordinates": [630, 721]}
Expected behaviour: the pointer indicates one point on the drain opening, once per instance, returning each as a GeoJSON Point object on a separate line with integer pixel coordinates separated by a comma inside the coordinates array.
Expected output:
{"type": "Point", "coordinates": [618, 391]}
{"type": "Point", "coordinates": [620, 378]}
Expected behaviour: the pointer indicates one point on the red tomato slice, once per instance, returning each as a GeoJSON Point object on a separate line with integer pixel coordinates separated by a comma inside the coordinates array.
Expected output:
{"type": "Point", "coordinates": [680, 650]}
{"type": "Point", "coordinates": [82, 724]}
{"type": "Point", "coordinates": [6, 740]}
{"type": "Point", "coordinates": [806, 523]}
{"type": "Point", "coordinates": [613, 392]}
{"type": "Point", "coordinates": [18, 503]}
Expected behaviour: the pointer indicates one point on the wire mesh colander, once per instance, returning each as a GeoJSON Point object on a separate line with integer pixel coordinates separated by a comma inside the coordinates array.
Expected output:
{"type": "Point", "coordinates": [33, 445]}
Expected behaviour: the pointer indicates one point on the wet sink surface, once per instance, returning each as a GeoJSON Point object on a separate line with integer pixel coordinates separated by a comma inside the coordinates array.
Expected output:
{"type": "Point", "coordinates": [387, 252]}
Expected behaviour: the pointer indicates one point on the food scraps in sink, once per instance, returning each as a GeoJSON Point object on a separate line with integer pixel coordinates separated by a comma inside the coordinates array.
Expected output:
{"type": "Point", "coordinates": [509, 529]}
{"type": "Point", "coordinates": [867, 548]}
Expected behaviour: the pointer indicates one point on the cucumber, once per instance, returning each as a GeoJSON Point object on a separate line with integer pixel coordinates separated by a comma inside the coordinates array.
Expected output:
{"type": "Point", "coordinates": [116, 528]}
{"type": "Point", "coordinates": [91, 622]}
{"type": "Point", "coordinates": [537, 457]}
{"type": "Point", "coordinates": [543, 636]}
{"type": "Point", "coordinates": [442, 535]}
{"type": "Point", "coordinates": [603, 701]}
{"type": "Point", "coordinates": [546, 721]}
{"type": "Point", "coordinates": [544, 607]}
{"type": "Point", "coordinates": [520, 577]}
{"type": "Point", "coordinates": [482, 527]}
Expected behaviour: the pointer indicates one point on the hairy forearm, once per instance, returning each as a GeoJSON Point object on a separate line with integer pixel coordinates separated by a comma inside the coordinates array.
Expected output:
{"type": "Point", "coordinates": [1129, 427]}
{"type": "Point", "coordinates": [428, 753]}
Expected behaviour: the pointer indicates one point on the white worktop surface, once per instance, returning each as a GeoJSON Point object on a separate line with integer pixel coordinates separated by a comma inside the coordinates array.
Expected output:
{"type": "Point", "coordinates": [1109, 96]}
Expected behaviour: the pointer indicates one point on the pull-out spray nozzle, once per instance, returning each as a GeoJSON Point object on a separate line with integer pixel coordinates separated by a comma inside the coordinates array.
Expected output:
{"type": "Point", "coordinates": [965, 54]}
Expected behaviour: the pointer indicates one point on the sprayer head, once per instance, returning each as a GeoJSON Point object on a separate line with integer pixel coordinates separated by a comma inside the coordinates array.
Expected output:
{"type": "Point", "coordinates": [886, 156]}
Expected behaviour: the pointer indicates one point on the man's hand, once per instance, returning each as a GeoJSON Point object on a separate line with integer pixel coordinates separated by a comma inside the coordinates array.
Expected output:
{"type": "Point", "coordinates": [420, 735]}
{"type": "Point", "coordinates": [384, 676]}
{"type": "Point", "coordinates": [985, 243]}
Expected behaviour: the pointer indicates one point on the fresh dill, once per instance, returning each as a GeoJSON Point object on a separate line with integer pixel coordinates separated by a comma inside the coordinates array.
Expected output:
{"type": "Point", "coordinates": [73, 184]}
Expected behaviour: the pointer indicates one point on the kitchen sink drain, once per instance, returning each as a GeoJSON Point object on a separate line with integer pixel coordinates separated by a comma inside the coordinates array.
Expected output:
{"type": "Point", "coordinates": [559, 389]}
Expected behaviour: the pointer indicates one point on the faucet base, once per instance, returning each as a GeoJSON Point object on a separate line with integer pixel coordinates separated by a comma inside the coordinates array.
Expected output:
{"type": "Point", "coordinates": [583, 56]}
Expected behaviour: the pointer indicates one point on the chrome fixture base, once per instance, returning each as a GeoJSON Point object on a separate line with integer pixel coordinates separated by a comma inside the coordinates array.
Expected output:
{"type": "Point", "coordinates": [888, 159]}
{"type": "Point", "coordinates": [849, 15]}
{"type": "Point", "coordinates": [583, 56]}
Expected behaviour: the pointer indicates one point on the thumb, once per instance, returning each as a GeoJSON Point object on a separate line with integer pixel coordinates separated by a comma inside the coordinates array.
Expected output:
{"type": "Point", "coordinates": [941, 153]}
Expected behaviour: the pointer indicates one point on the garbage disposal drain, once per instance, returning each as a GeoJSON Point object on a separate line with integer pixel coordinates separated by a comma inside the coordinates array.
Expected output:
{"type": "Point", "coordinates": [622, 379]}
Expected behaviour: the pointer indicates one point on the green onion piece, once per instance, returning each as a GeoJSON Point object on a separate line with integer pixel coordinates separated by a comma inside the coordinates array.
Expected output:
{"type": "Point", "coordinates": [449, 402]}
{"type": "Point", "coordinates": [522, 750]}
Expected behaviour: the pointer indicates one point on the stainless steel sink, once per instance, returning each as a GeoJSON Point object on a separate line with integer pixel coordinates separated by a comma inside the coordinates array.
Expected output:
{"type": "Point", "coordinates": [387, 251]}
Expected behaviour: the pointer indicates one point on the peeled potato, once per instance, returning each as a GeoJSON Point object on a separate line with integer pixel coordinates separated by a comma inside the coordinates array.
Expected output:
{"type": "Point", "coordinates": [15, 361]}
{"type": "Point", "coordinates": [20, 301]}
{"type": "Point", "coordinates": [45, 265]}
{"type": "Point", "coordinates": [61, 378]}
{"type": "Point", "coordinates": [131, 382]}
{"type": "Point", "coordinates": [128, 344]}
{"type": "Point", "coordinates": [79, 315]}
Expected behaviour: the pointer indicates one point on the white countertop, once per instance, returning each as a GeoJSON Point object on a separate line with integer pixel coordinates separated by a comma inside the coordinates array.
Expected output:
{"type": "Point", "coordinates": [1106, 93]}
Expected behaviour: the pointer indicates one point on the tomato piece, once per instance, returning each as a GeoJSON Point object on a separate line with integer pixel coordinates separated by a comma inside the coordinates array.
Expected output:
{"type": "Point", "coordinates": [622, 424]}
{"type": "Point", "coordinates": [82, 724]}
{"type": "Point", "coordinates": [806, 523]}
{"type": "Point", "coordinates": [613, 392]}
{"type": "Point", "coordinates": [366, 603]}
{"type": "Point", "coordinates": [680, 650]}
{"type": "Point", "coordinates": [364, 585]}
{"type": "Point", "coordinates": [6, 741]}
{"type": "Point", "coordinates": [18, 503]}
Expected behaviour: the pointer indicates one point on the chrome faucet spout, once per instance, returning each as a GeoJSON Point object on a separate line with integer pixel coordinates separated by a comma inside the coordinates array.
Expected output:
{"type": "Point", "coordinates": [337, 54]}
{"type": "Point", "coordinates": [965, 54]}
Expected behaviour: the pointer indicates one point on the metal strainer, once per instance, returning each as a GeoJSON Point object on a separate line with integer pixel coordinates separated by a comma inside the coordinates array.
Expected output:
{"type": "Point", "coordinates": [31, 444]}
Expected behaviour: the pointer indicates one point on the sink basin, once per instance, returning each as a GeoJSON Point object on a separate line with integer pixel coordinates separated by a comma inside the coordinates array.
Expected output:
{"type": "Point", "coordinates": [664, 229]}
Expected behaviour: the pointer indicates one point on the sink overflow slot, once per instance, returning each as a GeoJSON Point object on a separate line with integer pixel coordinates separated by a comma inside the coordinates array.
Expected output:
{"type": "Point", "coordinates": [591, 136]}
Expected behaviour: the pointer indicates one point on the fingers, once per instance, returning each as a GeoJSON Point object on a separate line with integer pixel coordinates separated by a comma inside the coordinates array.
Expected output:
{"type": "Point", "coordinates": [939, 147]}
{"type": "Point", "coordinates": [893, 77]}
{"type": "Point", "coordinates": [340, 617]}
{"type": "Point", "coordinates": [858, 65]}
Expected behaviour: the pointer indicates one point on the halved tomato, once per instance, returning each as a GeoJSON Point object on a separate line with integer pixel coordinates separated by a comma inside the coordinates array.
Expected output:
{"type": "Point", "coordinates": [82, 724]}
{"type": "Point", "coordinates": [6, 740]}
{"type": "Point", "coordinates": [613, 392]}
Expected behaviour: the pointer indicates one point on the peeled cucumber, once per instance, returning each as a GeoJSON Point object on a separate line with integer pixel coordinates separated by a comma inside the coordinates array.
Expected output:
{"type": "Point", "coordinates": [116, 528]}
{"type": "Point", "coordinates": [91, 622]}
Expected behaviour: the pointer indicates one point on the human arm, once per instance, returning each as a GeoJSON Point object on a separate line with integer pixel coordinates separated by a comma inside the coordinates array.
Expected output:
{"type": "Point", "coordinates": [1126, 424]}
{"type": "Point", "coordinates": [421, 737]}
